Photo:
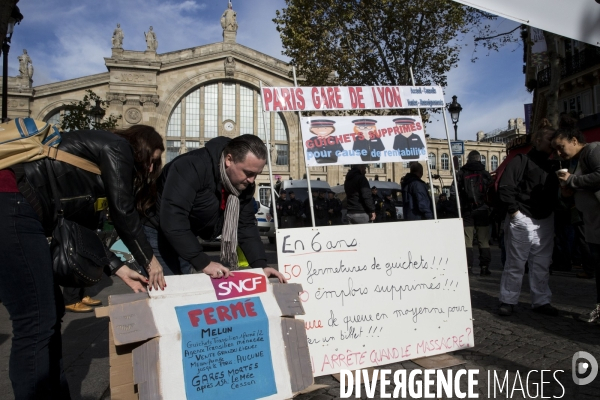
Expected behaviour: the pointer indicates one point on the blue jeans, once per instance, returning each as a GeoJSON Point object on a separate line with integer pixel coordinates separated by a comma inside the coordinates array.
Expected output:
{"type": "Point", "coordinates": [34, 302]}
{"type": "Point", "coordinates": [166, 255]}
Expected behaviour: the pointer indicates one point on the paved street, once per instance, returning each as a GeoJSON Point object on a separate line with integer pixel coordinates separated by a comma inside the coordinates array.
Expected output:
{"type": "Point", "coordinates": [523, 342]}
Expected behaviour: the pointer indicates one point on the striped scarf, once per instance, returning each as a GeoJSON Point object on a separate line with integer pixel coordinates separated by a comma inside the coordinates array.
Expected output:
{"type": "Point", "coordinates": [230, 226]}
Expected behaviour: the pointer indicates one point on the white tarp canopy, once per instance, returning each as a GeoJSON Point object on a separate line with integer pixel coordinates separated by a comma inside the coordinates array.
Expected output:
{"type": "Point", "coordinates": [575, 19]}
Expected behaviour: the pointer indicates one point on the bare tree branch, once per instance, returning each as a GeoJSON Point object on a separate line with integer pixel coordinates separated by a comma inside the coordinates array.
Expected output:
{"type": "Point", "coordinates": [495, 36]}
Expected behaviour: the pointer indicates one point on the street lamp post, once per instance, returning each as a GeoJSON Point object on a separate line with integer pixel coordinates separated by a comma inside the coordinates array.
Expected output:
{"type": "Point", "coordinates": [15, 18]}
{"type": "Point", "coordinates": [455, 110]}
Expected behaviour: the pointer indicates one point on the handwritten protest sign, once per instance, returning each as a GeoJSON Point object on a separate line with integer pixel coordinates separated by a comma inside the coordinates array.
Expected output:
{"type": "Point", "coordinates": [226, 352]}
{"type": "Point", "coordinates": [351, 98]}
{"type": "Point", "coordinates": [363, 140]}
{"type": "Point", "coordinates": [376, 294]}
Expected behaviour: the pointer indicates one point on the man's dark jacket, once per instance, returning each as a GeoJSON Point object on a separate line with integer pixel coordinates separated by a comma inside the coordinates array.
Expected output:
{"type": "Point", "coordinates": [415, 198]}
{"type": "Point", "coordinates": [358, 193]}
{"type": "Point", "coordinates": [80, 189]}
{"type": "Point", "coordinates": [529, 184]}
{"type": "Point", "coordinates": [190, 195]}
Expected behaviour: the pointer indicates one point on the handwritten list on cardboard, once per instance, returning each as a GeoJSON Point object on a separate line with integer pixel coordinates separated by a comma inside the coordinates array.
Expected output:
{"type": "Point", "coordinates": [226, 351]}
{"type": "Point", "coordinates": [376, 294]}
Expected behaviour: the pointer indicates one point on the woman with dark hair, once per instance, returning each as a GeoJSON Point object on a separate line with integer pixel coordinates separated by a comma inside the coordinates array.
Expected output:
{"type": "Point", "coordinates": [528, 190]}
{"type": "Point", "coordinates": [583, 181]}
{"type": "Point", "coordinates": [129, 162]}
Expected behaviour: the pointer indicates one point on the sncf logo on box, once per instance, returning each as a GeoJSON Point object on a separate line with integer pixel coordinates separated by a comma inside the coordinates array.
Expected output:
{"type": "Point", "coordinates": [239, 284]}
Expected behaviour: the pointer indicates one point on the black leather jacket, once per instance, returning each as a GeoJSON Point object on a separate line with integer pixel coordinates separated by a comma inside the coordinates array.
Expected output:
{"type": "Point", "coordinates": [80, 189]}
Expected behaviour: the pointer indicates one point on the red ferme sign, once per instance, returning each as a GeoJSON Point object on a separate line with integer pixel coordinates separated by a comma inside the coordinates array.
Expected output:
{"type": "Point", "coordinates": [239, 284]}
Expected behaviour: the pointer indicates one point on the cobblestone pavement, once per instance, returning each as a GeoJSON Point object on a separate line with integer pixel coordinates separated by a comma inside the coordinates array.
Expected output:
{"type": "Point", "coordinates": [523, 342]}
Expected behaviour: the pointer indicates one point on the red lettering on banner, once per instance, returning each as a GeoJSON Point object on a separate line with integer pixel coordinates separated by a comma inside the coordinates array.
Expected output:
{"type": "Point", "coordinates": [268, 98]}
{"type": "Point", "coordinates": [389, 97]}
{"type": "Point", "coordinates": [419, 127]}
{"type": "Point", "coordinates": [377, 104]}
{"type": "Point", "coordinates": [324, 97]}
{"type": "Point", "coordinates": [381, 91]}
{"type": "Point", "coordinates": [293, 98]}
{"type": "Point", "coordinates": [397, 98]}
{"type": "Point", "coordinates": [276, 103]}
{"type": "Point", "coordinates": [359, 97]}
{"type": "Point", "coordinates": [338, 97]}
{"type": "Point", "coordinates": [286, 97]}
{"type": "Point", "coordinates": [300, 97]}
{"type": "Point", "coordinates": [331, 98]}
{"type": "Point", "coordinates": [315, 97]}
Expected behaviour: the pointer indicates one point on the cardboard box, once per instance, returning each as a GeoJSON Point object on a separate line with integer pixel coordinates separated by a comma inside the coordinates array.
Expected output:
{"type": "Point", "coordinates": [205, 338]}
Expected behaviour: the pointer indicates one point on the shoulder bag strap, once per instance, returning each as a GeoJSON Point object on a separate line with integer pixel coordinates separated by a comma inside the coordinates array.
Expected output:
{"type": "Point", "coordinates": [58, 210]}
{"type": "Point", "coordinates": [60, 155]}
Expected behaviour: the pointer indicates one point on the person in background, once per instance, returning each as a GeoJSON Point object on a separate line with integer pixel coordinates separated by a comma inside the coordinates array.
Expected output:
{"type": "Point", "coordinates": [417, 203]}
{"type": "Point", "coordinates": [378, 201]}
{"type": "Point", "coordinates": [127, 160]}
{"type": "Point", "coordinates": [582, 180]}
{"type": "Point", "coordinates": [528, 190]}
{"type": "Point", "coordinates": [334, 209]}
{"type": "Point", "coordinates": [361, 208]}
{"type": "Point", "coordinates": [307, 209]}
{"type": "Point", "coordinates": [445, 209]}
{"type": "Point", "coordinates": [473, 181]}
{"type": "Point", "coordinates": [388, 210]}
{"type": "Point", "coordinates": [295, 208]}
{"type": "Point", "coordinates": [320, 206]}
{"type": "Point", "coordinates": [282, 209]}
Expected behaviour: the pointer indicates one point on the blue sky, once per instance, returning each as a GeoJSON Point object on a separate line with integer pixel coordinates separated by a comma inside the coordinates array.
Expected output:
{"type": "Point", "coordinates": [69, 38]}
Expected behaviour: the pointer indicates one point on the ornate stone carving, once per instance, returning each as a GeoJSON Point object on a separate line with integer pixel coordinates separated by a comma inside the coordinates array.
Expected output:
{"type": "Point", "coordinates": [117, 38]}
{"type": "Point", "coordinates": [149, 99]}
{"type": "Point", "coordinates": [229, 20]}
{"type": "Point", "coordinates": [273, 154]}
{"type": "Point", "coordinates": [151, 42]}
{"type": "Point", "coordinates": [229, 66]}
{"type": "Point", "coordinates": [133, 116]}
{"type": "Point", "coordinates": [131, 77]}
{"type": "Point", "coordinates": [116, 97]}
{"type": "Point", "coordinates": [25, 65]}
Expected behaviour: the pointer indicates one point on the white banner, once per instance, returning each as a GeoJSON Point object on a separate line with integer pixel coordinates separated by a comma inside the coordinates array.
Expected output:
{"type": "Point", "coordinates": [577, 19]}
{"type": "Point", "coordinates": [363, 140]}
{"type": "Point", "coordinates": [377, 294]}
{"type": "Point", "coordinates": [351, 98]}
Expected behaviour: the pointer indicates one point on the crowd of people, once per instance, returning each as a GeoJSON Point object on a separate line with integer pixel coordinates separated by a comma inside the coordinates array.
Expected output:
{"type": "Point", "coordinates": [160, 213]}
